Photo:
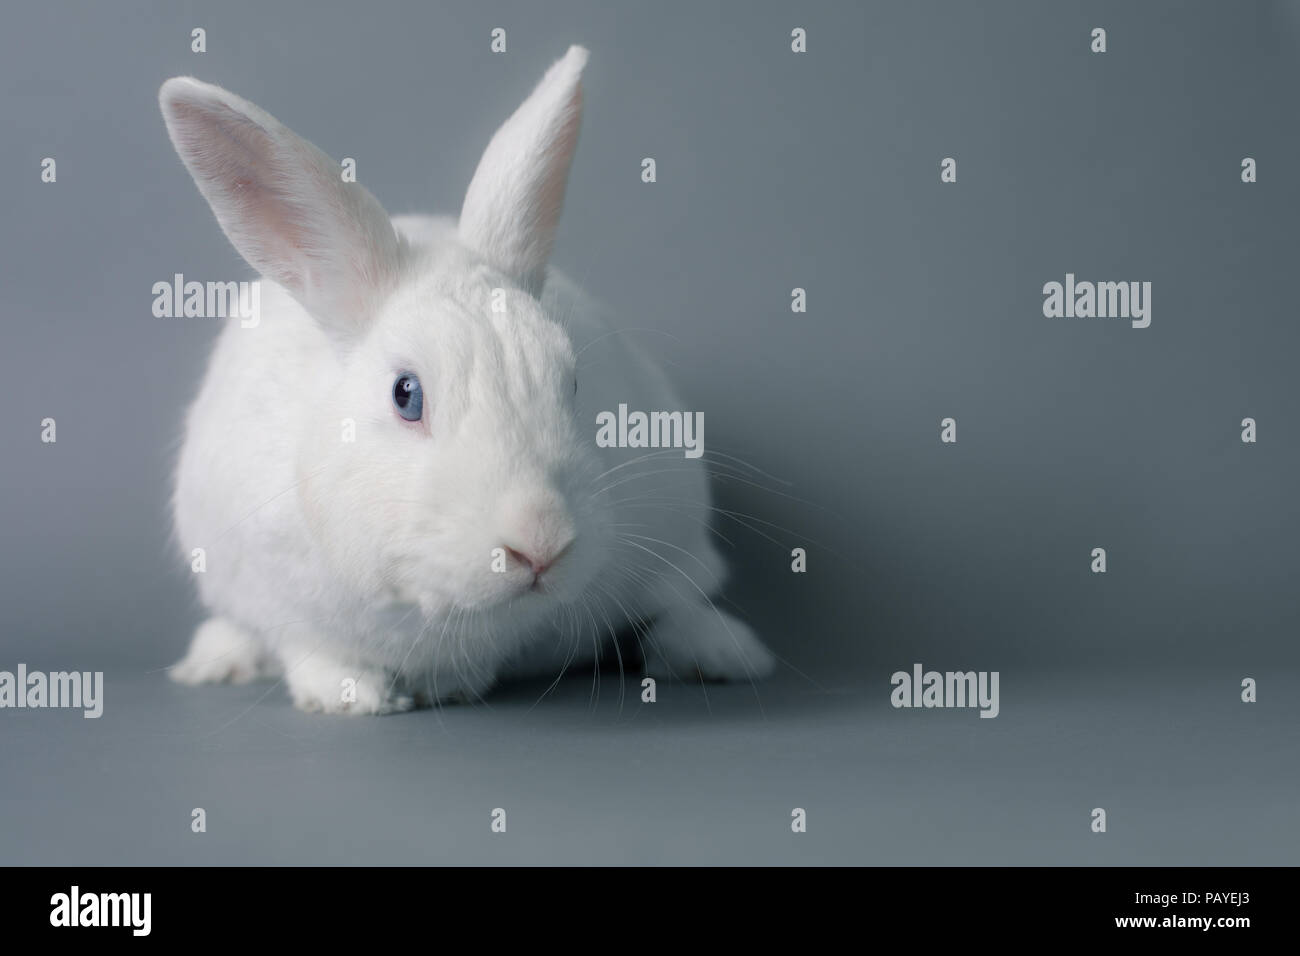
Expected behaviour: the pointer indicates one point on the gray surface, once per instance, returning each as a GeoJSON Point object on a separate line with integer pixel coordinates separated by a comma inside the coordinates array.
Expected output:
{"type": "Point", "coordinates": [775, 171]}
{"type": "Point", "coordinates": [1188, 775]}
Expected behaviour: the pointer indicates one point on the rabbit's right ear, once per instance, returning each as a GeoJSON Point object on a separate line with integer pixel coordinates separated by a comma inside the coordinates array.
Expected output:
{"type": "Point", "coordinates": [512, 206]}
{"type": "Point", "coordinates": [283, 203]}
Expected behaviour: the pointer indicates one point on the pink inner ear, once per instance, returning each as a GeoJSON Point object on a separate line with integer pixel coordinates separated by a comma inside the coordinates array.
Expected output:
{"type": "Point", "coordinates": [554, 179]}
{"type": "Point", "coordinates": [512, 207]}
{"type": "Point", "coordinates": [231, 158]}
{"type": "Point", "coordinates": [282, 204]}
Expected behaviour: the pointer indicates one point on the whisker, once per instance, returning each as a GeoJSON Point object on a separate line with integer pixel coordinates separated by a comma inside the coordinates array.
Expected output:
{"type": "Point", "coordinates": [722, 620]}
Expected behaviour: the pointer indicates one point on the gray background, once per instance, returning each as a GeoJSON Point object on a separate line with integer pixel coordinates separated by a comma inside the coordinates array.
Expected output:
{"type": "Point", "coordinates": [775, 170]}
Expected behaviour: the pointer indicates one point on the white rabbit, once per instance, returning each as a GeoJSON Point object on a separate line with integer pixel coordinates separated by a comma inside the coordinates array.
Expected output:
{"type": "Point", "coordinates": [395, 483]}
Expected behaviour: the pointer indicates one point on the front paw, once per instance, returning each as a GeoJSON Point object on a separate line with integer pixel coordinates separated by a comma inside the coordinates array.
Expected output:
{"type": "Point", "coordinates": [699, 642]}
{"type": "Point", "coordinates": [329, 688]}
{"type": "Point", "coordinates": [221, 652]}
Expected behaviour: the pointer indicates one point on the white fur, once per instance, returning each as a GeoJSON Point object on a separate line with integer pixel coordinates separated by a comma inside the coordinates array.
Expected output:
{"type": "Point", "coordinates": [363, 570]}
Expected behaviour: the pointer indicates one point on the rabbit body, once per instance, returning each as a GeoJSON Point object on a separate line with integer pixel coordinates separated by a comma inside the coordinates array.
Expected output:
{"type": "Point", "coordinates": [376, 560]}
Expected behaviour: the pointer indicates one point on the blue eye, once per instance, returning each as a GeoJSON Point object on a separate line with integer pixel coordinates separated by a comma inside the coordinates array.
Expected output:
{"type": "Point", "coordinates": [408, 397]}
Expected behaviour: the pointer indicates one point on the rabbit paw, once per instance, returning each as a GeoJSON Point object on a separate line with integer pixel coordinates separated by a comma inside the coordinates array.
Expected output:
{"type": "Point", "coordinates": [698, 642]}
{"type": "Point", "coordinates": [321, 685]}
{"type": "Point", "coordinates": [221, 653]}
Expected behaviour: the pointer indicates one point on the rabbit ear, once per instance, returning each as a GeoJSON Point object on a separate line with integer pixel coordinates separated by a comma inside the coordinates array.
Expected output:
{"type": "Point", "coordinates": [512, 207]}
{"type": "Point", "coordinates": [283, 203]}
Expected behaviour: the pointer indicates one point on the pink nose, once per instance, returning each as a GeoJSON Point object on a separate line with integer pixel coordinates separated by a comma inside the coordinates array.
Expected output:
{"type": "Point", "coordinates": [539, 564]}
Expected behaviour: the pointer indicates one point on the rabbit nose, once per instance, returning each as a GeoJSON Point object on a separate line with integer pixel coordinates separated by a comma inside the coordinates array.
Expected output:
{"type": "Point", "coordinates": [536, 529]}
{"type": "Point", "coordinates": [539, 561]}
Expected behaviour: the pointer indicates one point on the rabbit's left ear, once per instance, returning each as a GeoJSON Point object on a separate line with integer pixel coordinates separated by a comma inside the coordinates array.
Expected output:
{"type": "Point", "coordinates": [283, 203]}
{"type": "Point", "coordinates": [512, 207]}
